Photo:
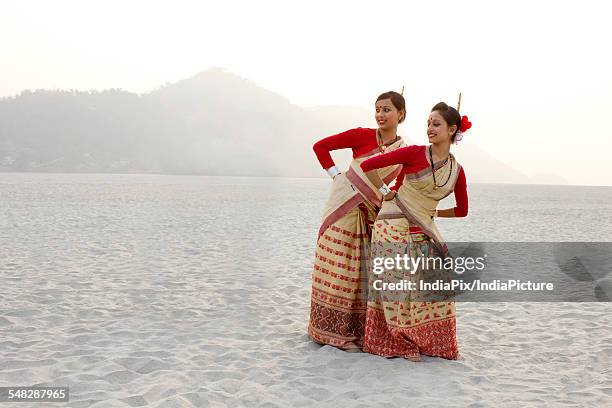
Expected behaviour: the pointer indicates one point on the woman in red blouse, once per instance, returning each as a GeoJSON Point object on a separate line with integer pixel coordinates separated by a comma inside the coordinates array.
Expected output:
{"type": "Point", "coordinates": [338, 300]}
{"type": "Point", "coordinates": [397, 324]}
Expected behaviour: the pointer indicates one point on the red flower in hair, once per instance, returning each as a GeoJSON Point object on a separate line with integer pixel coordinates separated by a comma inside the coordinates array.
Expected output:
{"type": "Point", "coordinates": [465, 124]}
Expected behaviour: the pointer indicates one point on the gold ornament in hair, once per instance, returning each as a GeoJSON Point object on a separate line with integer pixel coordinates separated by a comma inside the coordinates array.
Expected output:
{"type": "Point", "coordinates": [402, 92]}
{"type": "Point", "coordinates": [459, 102]}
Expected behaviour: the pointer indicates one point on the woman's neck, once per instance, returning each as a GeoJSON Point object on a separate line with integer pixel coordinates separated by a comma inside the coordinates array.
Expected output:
{"type": "Point", "coordinates": [440, 150]}
{"type": "Point", "coordinates": [388, 135]}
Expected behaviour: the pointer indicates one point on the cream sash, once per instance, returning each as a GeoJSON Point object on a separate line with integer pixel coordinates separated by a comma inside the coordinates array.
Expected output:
{"type": "Point", "coordinates": [417, 198]}
{"type": "Point", "coordinates": [351, 188]}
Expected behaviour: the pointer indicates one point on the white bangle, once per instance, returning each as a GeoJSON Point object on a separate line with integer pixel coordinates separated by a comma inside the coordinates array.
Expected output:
{"type": "Point", "coordinates": [333, 171]}
{"type": "Point", "coordinates": [384, 189]}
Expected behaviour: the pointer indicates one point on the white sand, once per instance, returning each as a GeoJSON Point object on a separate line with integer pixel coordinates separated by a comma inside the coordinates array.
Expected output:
{"type": "Point", "coordinates": [179, 292]}
{"type": "Point", "coordinates": [192, 348]}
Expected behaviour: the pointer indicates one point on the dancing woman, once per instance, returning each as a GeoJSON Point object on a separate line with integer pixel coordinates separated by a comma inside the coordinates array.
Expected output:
{"type": "Point", "coordinates": [400, 325]}
{"type": "Point", "coordinates": [338, 300]}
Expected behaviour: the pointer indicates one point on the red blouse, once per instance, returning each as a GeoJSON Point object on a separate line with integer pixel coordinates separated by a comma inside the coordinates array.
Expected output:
{"type": "Point", "coordinates": [360, 140]}
{"type": "Point", "coordinates": [413, 159]}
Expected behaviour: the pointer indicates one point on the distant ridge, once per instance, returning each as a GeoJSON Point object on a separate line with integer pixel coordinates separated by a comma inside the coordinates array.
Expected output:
{"type": "Point", "coordinates": [214, 123]}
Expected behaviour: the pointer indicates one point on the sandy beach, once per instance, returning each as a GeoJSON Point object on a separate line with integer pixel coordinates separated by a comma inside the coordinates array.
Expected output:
{"type": "Point", "coordinates": [137, 291]}
{"type": "Point", "coordinates": [165, 347]}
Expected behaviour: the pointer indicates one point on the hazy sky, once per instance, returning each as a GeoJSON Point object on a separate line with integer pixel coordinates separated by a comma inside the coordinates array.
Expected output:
{"type": "Point", "coordinates": [535, 75]}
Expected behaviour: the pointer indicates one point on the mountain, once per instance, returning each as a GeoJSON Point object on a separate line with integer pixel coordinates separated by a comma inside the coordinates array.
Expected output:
{"type": "Point", "coordinates": [214, 123]}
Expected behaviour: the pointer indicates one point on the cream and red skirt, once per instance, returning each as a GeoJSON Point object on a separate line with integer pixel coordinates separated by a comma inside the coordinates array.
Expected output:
{"type": "Point", "coordinates": [339, 280]}
{"type": "Point", "coordinates": [397, 326]}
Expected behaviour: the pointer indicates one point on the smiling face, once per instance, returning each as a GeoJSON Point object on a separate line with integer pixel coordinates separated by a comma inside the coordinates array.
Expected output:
{"type": "Point", "coordinates": [438, 130]}
{"type": "Point", "coordinates": [387, 115]}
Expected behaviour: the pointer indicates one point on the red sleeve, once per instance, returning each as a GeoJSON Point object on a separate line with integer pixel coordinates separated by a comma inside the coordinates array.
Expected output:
{"type": "Point", "coordinates": [399, 180]}
{"type": "Point", "coordinates": [398, 156]}
{"type": "Point", "coordinates": [349, 139]}
{"type": "Point", "coordinates": [461, 197]}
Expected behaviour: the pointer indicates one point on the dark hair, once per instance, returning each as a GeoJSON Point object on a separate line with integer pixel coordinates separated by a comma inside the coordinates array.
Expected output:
{"type": "Point", "coordinates": [396, 99]}
{"type": "Point", "coordinates": [450, 115]}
